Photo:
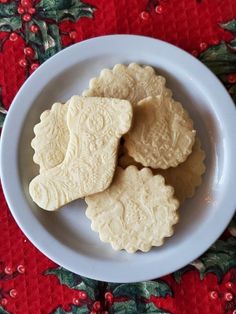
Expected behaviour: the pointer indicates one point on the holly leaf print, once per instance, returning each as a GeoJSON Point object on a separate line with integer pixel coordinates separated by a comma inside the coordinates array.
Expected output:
{"type": "Point", "coordinates": [220, 59]}
{"type": "Point", "coordinates": [46, 42]}
{"type": "Point", "coordinates": [9, 20]}
{"type": "Point", "coordinates": [8, 9]}
{"type": "Point", "coordinates": [8, 24]}
{"type": "Point", "coordinates": [230, 26]}
{"type": "Point", "coordinates": [74, 310]}
{"type": "Point", "coordinates": [133, 307]}
{"type": "Point", "coordinates": [74, 281]}
{"type": "Point", "coordinates": [142, 289]}
{"type": "Point", "coordinates": [2, 311]}
{"type": "Point", "coordinates": [232, 226]}
{"type": "Point", "coordinates": [219, 259]}
{"type": "Point", "coordinates": [59, 10]}
{"type": "Point", "coordinates": [3, 111]}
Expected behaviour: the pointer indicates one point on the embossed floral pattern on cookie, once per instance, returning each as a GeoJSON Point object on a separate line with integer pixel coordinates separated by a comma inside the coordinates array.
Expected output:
{"type": "Point", "coordinates": [187, 176]}
{"type": "Point", "coordinates": [136, 212]}
{"type": "Point", "coordinates": [162, 134]}
{"type": "Point", "coordinates": [51, 137]}
{"type": "Point", "coordinates": [132, 82]}
{"type": "Point", "coordinates": [96, 126]}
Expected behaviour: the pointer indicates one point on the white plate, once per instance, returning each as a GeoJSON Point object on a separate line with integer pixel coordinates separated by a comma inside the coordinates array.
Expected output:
{"type": "Point", "coordinates": [65, 236]}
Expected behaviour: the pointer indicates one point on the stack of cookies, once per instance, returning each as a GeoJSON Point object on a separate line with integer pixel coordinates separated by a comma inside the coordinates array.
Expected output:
{"type": "Point", "coordinates": [126, 146]}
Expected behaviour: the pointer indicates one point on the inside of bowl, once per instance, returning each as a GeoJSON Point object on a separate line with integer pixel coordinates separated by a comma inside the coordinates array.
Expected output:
{"type": "Point", "coordinates": [69, 225]}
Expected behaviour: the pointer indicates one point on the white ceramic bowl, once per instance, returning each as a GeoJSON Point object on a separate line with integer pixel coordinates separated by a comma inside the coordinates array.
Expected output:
{"type": "Point", "coordinates": [65, 236]}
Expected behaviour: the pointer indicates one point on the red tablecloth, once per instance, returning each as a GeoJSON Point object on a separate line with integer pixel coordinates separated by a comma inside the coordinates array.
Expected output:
{"type": "Point", "coordinates": [31, 32]}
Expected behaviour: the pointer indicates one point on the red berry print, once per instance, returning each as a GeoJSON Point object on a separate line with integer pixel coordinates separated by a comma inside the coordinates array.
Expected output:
{"type": "Point", "coordinates": [75, 301]}
{"type": "Point", "coordinates": [3, 1]}
{"type": "Point", "coordinates": [34, 66]}
{"type": "Point", "coordinates": [4, 301]}
{"type": "Point", "coordinates": [31, 10]}
{"type": "Point", "coordinates": [215, 41]}
{"type": "Point", "coordinates": [97, 306]}
{"type": "Point", "coordinates": [8, 270]}
{"type": "Point", "coordinates": [21, 10]}
{"type": "Point", "coordinates": [26, 17]}
{"type": "Point", "coordinates": [34, 28]}
{"type": "Point", "coordinates": [228, 296]}
{"type": "Point", "coordinates": [231, 78]}
{"type": "Point", "coordinates": [73, 34]}
{"type": "Point", "coordinates": [214, 295]}
{"type": "Point", "coordinates": [195, 53]}
{"type": "Point", "coordinates": [21, 269]}
{"type": "Point", "coordinates": [13, 293]}
{"type": "Point", "coordinates": [28, 51]}
{"type": "Point", "coordinates": [13, 37]}
{"type": "Point", "coordinates": [159, 9]}
{"type": "Point", "coordinates": [203, 46]}
{"type": "Point", "coordinates": [234, 312]}
{"type": "Point", "coordinates": [229, 285]}
{"type": "Point", "coordinates": [82, 295]}
{"type": "Point", "coordinates": [25, 3]}
{"type": "Point", "coordinates": [109, 296]}
{"type": "Point", "coordinates": [23, 63]}
{"type": "Point", "coordinates": [144, 15]}
{"type": "Point", "coordinates": [93, 312]}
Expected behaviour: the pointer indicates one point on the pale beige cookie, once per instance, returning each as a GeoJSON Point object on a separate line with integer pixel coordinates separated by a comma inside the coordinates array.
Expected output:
{"type": "Point", "coordinates": [132, 82]}
{"type": "Point", "coordinates": [51, 137]}
{"type": "Point", "coordinates": [96, 126]}
{"type": "Point", "coordinates": [187, 176]}
{"type": "Point", "coordinates": [162, 134]}
{"type": "Point", "coordinates": [136, 212]}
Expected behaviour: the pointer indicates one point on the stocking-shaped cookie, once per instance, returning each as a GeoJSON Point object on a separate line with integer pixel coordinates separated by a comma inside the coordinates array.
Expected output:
{"type": "Point", "coordinates": [95, 127]}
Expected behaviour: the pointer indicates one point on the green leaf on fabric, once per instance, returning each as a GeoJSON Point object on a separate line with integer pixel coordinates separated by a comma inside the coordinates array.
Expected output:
{"type": "Point", "coordinates": [230, 26]}
{"type": "Point", "coordinates": [232, 225]}
{"type": "Point", "coordinates": [74, 310]}
{"type": "Point", "coordinates": [87, 288]}
{"type": "Point", "coordinates": [149, 308]}
{"type": "Point", "coordinates": [73, 281]}
{"type": "Point", "coordinates": [133, 307]}
{"type": "Point", "coordinates": [46, 42]}
{"type": "Point", "coordinates": [8, 24]}
{"type": "Point", "coordinates": [124, 307]}
{"type": "Point", "coordinates": [2, 119]}
{"type": "Point", "coordinates": [3, 111]}
{"type": "Point", "coordinates": [58, 10]}
{"type": "Point", "coordinates": [8, 9]}
{"type": "Point", "coordinates": [64, 276]}
{"type": "Point", "coordinates": [219, 53]}
{"type": "Point", "coordinates": [143, 289]}
{"type": "Point", "coordinates": [219, 259]}
{"type": "Point", "coordinates": [2, 311]}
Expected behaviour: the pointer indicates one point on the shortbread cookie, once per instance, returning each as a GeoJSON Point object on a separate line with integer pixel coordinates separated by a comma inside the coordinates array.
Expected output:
{"type": "Point", "coordinates": [95, 126]}
{"type": "Point", "coordinates": [132, 82]}
{"type": "Point", "coordinates": [136, 212]}
{"type": "Point", "coordinates": [187, 176]}
{"type": "Point", "coordinates": [51, 137]}
{"type": "Point", "coordinates": [162, 134]}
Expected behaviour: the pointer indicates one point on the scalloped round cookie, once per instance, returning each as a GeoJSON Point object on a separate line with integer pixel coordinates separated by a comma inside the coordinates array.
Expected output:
{"type": "Point", "coordinates": [187, 176]}
{"type": "Point", "coordinates": [51, 137]}
{"type": "Point", "coordinates": [132, 82]}
{"type": "Point", "coordinates": [162, 133]}
{"type": "Point", "coordinates": [136, 212]}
